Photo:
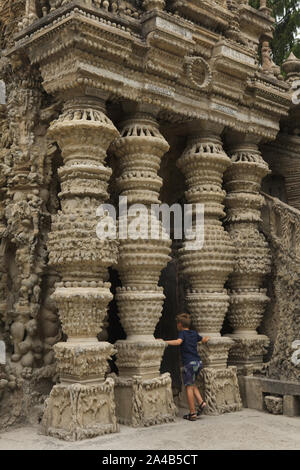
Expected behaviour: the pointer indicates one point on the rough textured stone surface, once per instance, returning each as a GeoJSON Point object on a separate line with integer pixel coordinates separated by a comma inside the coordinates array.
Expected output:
{"type": "Point", "coordinates": [274, 405]}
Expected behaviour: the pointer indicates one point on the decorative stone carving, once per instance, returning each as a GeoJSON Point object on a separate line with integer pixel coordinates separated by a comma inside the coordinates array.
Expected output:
{"type": "Point", "coordinates": [283, 232]}
{"type": "Point", "coordinates": [234, 30]}
{"type": "Point", "coordinates": [139, 150]}
{"type": "Point", "coordinates": [78, 411]}
{"type": "Point", "coordinates": [268, 65]}
{"type": "Point", "coordinates": [49, 322]}
{"type": "Point", "coordinates": [207, 269]}
{"type": "Point", "coordinates": [198, 72]}
{"type": "Point", "coordinates": [274, 405]}
{"type": "Point", "coordinates": [292, 68]}
{"type": "Point", "coordinates": [221, 390]}
{"type": "Point", "coordinates": [248, 298]}
{"type": "Point", "coordinates": [147, 401]}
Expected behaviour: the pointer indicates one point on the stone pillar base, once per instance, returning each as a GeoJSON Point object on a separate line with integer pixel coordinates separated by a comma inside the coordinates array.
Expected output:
{"type": "Point", "coordinates": [141, 402]}
{"type": "Point", "coordinates": [220, 389]}
{"type": "Point", "coordinates": [247, 353]}
{"type": "Point", "coordinates": [76, 411]}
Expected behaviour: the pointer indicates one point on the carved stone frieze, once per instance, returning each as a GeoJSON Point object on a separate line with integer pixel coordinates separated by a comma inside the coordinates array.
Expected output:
{"type": "Point", "coordinates": [76, 411]}
{"type": "Point", "coordinates": [220, 390]}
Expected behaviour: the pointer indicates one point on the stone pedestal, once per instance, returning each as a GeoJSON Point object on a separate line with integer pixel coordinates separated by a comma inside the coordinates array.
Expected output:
{"type": "Point", "coordinates": [144, 397]}
{"type": "Point", "coordinates": [146, 402]}
{"type": "Point", "coordinates": [82, 405]}
{"type": "Point", "coordinates": [77, 411]}
{"type": "Point", "coordinates": [207, 269]}
{"type": "Point", "coordinates": [248, 298]}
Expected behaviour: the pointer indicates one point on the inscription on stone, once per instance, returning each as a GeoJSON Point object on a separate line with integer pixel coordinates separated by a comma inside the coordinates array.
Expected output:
{"type": "Point", "coordinates": [173, 28]}
{"type": "Point", "coordinates": [160, 90]}
{"type": "Point", "coordinates": [236, 55]}
{"type": "Point", "coordinates": [224, 109]}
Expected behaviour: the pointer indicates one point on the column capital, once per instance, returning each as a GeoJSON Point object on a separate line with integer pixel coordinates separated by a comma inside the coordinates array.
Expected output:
{"type": "Point", "coordinates": [200, 129]}
{"type": "Point", "coordinates": [83, 96]}
{"type": "Point", "coordinates": [237, 140]}
{"type": "Point", "coordinates": [132, 108]}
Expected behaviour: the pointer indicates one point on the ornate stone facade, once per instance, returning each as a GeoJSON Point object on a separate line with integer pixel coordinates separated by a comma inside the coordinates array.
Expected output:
{"type": "Point", "coordinates": [156, 101]}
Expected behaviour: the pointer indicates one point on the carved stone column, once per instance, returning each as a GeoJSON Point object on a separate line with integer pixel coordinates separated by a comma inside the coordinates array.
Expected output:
{"type": "Point", "coordinates": [247, 297]}
{"type": "Point", "coordinates": [82, 405]}
{"type": "Point", "coordinates": [203, 164]}
{"type": "Point", "coordinates": [143, 396]}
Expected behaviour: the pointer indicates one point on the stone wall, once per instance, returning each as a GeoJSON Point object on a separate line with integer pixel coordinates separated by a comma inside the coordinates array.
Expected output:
{"type": "Point", "coordinates": [282, 320]}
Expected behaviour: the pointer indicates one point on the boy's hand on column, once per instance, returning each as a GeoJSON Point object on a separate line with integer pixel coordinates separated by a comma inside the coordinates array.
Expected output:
{"type": "Point", "coordinates": [205, 339]}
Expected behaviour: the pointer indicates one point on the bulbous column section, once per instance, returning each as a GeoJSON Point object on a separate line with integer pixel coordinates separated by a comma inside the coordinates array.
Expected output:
{"type": "Point", "coordinates": [143, 396]}
{"type": "Point", "coordinates": [207, 269]}
{"type": "Point", "coordinates": [248, 299]}
{"type": "Point", "coordinates": [82, 405]}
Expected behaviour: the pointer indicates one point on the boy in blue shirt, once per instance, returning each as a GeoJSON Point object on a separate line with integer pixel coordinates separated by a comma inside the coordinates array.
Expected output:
{"type": "Point", "coordinates": [192, 364]}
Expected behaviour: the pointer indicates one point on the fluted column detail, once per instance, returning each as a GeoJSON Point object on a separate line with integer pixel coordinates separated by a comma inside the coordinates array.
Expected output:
{"type": "Point", "coordinates": [207, 269]}
{"type": "Point", "coordinates": [248, 298]}
{"type": "Point", "coordinates": [83, 132]}
{"type": "Point", "coordinates": [140, 300]}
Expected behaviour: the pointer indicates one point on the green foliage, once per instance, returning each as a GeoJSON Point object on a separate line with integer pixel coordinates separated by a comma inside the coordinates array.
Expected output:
{"type": "Point", "coordinates": [287, 28]}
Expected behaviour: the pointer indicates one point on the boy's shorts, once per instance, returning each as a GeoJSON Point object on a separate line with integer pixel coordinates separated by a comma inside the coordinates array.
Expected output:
{"type": "Point", "coordinates": [191, 372]}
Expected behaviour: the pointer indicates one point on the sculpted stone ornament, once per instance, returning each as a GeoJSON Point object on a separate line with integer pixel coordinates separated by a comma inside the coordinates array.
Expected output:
{"type": "Point", "coordinates": [139, 150]}
{"type": "Point", "coordinates": [198, 72]}
{"type": "Point", "coordinates": [268, 65]}
{"type": "Point", "coordinates": [203, 163]}
{"type": "Point", "coordinates": [274, 405]}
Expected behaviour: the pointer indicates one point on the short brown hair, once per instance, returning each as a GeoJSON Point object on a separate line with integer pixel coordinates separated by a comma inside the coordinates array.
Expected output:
{"type": "Point", "coordinates": [184, 319]}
